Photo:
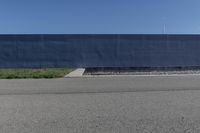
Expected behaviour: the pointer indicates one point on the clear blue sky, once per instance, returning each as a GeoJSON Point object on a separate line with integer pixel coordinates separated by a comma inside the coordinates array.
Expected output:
{"type": "Point", "coordinates": [99, 16]}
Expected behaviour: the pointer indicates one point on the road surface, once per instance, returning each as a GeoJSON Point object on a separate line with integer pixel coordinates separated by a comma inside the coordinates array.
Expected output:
{"type": "Point", "coordinates": [100, 84]}
{"type": "Point", "coordinates": [133, 105]}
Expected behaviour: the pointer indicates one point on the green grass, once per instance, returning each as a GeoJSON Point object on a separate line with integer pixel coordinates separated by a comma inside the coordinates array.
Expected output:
{"type": "Point", "coordinates": [34, 73]}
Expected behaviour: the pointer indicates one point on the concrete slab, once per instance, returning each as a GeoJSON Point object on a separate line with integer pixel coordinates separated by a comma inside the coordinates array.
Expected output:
{"type": "Point", "coordinates": [76, 73]}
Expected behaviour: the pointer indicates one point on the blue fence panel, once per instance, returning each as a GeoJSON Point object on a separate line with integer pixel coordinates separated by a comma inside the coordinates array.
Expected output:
{"type": "Point", "coordinates": [111, 50]}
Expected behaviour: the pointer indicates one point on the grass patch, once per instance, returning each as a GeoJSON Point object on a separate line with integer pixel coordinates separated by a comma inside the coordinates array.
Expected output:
{"type": "Point", "coordinates": [34, 73]}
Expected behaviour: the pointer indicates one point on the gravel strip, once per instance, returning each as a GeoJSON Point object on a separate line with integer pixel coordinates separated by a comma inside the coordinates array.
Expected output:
{"type": "Point", "coordinates": [156, 72]}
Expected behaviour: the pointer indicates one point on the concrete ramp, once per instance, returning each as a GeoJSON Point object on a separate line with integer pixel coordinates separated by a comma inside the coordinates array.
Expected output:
{"type": "Point", "coordinates": [76, 73]}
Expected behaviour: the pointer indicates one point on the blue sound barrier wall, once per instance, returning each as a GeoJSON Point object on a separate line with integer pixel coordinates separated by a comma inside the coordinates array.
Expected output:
{"type": "Point", "coordinates": [86, 51]}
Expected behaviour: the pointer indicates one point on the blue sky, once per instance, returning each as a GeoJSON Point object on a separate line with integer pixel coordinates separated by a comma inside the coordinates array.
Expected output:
{"type": "Point", "coordinates": [99, 16]}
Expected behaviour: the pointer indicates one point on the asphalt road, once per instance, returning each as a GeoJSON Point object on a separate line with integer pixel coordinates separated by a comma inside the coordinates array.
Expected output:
{"type": "Point", "coordinates": [100, 84]}
{"type": "Point", "coordinates": [136, 105]}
